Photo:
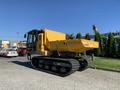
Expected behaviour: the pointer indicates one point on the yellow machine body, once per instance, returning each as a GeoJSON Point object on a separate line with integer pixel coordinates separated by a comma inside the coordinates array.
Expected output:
{"type": "Point", "coordinates": [57, 54]}
{"type": "Point", "coordinates": [50, 40]}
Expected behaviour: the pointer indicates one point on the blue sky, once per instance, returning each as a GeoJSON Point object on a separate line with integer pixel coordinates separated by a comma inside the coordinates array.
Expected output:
{"type": "Point", "coordinates": [69, 16]}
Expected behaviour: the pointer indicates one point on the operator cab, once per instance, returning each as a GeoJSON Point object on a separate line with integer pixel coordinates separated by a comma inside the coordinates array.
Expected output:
{"type": "Point", "coordinates": [32, 38]}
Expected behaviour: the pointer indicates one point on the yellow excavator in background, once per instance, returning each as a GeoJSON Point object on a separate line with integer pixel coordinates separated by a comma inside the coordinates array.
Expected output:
{"type": "Point", "coordinates": [56, 54]}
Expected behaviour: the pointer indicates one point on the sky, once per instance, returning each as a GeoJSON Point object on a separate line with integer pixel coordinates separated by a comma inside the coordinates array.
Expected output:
{"type": "Point", "coordinates": [69, 16]}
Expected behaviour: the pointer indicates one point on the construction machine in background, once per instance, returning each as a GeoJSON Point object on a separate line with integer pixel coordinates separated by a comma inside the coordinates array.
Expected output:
{"type": "Point", "coordinates": [56, 54]}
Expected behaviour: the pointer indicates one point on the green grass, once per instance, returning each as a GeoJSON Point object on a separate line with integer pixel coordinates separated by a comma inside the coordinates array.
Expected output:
{"type": "Point", "coordinates": [107, 63]}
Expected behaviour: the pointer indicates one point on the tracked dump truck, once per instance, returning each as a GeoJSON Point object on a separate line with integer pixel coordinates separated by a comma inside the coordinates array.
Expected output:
{"type": "Point", "coordinates": [56, 54]}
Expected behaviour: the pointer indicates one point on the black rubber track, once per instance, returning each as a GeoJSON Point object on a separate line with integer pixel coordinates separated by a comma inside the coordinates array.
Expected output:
{"type": "Point", "coordinates": [73, 64]}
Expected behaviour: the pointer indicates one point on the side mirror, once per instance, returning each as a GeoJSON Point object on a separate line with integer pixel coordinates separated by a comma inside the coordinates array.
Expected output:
{"type": "Point", "coordinates": [25, 35]}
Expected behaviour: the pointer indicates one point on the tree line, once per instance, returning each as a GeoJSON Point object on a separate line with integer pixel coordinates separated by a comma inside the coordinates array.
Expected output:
{"type": "Point", "coordinates": [109, 45]}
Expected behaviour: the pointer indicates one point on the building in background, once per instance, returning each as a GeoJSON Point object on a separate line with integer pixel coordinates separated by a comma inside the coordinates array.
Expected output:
{"type": "Point", "coordinates": [18, 43]}
{"type": "Point", "coordinates": [4, 43]}
{"type": "Point", "coordinates": [21, 43]}
{"type": "Point", "coordinates": [12, 43]}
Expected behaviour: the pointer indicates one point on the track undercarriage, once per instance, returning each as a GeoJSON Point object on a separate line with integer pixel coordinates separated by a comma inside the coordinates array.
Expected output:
{"type": "Point", "coordinates": [58, 65]}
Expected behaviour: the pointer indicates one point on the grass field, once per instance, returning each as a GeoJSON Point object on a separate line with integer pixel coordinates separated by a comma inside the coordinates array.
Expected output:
{"type": "Point", "coordinates": [107, 63]}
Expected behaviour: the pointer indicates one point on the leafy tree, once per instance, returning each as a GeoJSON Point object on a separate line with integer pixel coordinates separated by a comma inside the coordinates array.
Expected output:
{"type": "Point", "coordinates": [87, 36]}
{"type": "Point", "coordinates": [115, 47]}
{"type": "Point", "coordinates": [78, 36]}
{"type": "Point", "coordinates": [98, 38]}
{"type": "Point", "coordinates": [118, 46]}
{"type": "Point", "coordinates": [103, 45]}
{"type": "Point", "coordinates": [72, 36]}
{"type": "Point", "coordinates": [110, 43]}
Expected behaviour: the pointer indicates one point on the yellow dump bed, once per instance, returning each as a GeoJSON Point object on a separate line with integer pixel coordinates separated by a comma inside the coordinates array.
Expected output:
{"type": "Point", "coordinates": [80, 45]}
{"type": "Point", "coordinates": [56, 41]}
